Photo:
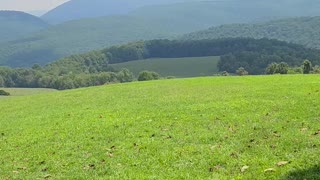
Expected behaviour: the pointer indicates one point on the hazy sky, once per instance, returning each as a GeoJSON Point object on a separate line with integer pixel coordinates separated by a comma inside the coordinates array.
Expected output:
{"type": "Point", "coordinates": [29, 5]}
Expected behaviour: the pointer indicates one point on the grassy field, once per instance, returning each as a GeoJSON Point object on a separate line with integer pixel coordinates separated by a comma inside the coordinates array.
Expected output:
{"type": "Point", "coordinates": [262, 127]}
{"type": "Point", "coordinates": [178, 67]}
{"type": "Point", "coordinates": [26, 91]}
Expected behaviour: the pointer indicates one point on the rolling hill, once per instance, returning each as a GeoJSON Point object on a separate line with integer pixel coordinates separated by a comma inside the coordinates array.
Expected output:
{"type": "Point", "coordinates": [302, 30]}
{"type": "Point", "coordinates": [15, 24]}
{"type": "Point", "coordinates": [78, 9]}
{"type": "Point", "coordinates": [77, 37]}
{"type": "Point", "coordinates": [204, 128]}
{"type": "Point", "coordinates": [148, 22]}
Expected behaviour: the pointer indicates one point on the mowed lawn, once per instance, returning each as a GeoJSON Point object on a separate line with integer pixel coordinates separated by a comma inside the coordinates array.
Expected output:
{"type": "Point", "coordinates": [177, 67]}
{"type": "Point", "coordinates": [253, 127]}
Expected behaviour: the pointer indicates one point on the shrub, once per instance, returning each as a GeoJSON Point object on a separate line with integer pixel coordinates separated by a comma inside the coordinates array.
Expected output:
{"type": "Point", "coordinates": [125, 76]}
{"type": "Point", "coordinates": [4, 93]}
{"type": "Point", "coordinates": [242, 72]}
{"type": "Point", "coordinates": [148, 76]}
{"type": "Point", "coordinates": [275, 68]}
{"type": "Point", "coordinates": [224, 73]}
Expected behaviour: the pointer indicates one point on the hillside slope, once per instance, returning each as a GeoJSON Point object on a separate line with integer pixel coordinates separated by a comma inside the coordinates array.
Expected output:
{"type": "Point", "coordinates": [260, 9]}
{"type": "Point", "coordinates": [204, 128]}
{"type": "Point", "coordinates": [98, 8]}
{"type": "Point", "coordinates": [14, 24]}
{"type": "Point", "coordinates": [302, 30]}
{"type": "Point", "coordinates": [150, 22]}
{"type": "Point", "coordinates": [77, 37]}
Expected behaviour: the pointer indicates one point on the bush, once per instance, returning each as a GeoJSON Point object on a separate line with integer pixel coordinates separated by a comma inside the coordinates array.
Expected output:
{"type": "Point", "coordinates": [242, 72]}
{"type": "Point", "coordinates": [224, 73]}
{"type": "Point", "coordinates": [4, 93]}
{"type": "Point", "coordinates": [275, 68]}
{"type": "Point", "coordinates": [125, 76]}
{"type": "Point", "coordinates": [148, 76]}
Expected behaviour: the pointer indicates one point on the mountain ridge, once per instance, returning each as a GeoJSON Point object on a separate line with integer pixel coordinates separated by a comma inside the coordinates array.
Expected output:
{"type": "Point", "coordinates": [300, 30]}
{"type": "Point", "coordinates": [17, 23]}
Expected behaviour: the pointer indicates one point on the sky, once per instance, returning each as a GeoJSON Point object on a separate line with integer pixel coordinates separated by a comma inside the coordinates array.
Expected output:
{"type": "Point", "coordinates": [30, 5]}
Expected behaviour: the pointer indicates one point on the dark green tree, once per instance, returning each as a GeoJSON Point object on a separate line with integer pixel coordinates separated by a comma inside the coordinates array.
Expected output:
{"type": "Point", "coordinates": [125, 75]}
{"type": "Point", "coordinates": [148, 76]}
{"type": "Point", "coordinates": [307, 67]}
{"type": "Point", "coordinates": [282, 68]}
{"type": "Point", "coordinates": [272, 68]}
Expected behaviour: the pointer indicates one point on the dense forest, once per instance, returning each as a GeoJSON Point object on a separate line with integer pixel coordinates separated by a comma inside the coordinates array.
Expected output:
{"type": "Point", "coordinates": [252, 54]}
{"type": "Point", "coordinates": [302, 30]}
{"type": "Point", "coordinates": [93, 68]}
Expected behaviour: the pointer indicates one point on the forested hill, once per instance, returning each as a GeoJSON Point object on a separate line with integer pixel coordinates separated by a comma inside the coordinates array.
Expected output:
{"type": "Point", "coordinates": [93, 68]}
{"type": "Point", "coordinates": [98, 8]}
{"type": "Point", "coordinates": [15, 24]}
{"type": "Point", "coordinates": [256, 8]}
{"type": "Point", "coordinates": [302, 30]}
{"type": "Point", "coordinates": [149, 22]}
{"type": "Point", "coordinates": [78, 37]}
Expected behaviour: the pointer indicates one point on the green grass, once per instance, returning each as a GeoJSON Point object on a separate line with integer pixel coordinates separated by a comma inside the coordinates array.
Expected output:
{"type": "Point", "coordinates": [26, 91]}
{"type": "Point", "coordinates": [178, 67]}
{"type": "Point", "coordinates": [198, 128]}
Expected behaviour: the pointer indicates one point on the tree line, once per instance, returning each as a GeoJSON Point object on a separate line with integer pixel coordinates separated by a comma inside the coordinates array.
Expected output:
{"type": "Point", "coordinates": [252, 54]}
{"type": "Point", "coordinates": [92, 68]}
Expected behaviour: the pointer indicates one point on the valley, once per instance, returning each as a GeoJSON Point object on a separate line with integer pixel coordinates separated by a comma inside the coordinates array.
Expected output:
{"type": "Point", "coordinates": [160, 89]}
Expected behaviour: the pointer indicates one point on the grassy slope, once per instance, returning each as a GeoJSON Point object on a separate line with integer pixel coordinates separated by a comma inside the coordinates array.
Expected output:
{"type": "Point", "coordinates": [178, 67]}
{"type": "Point", "coordinates": [187, 128]}
{"type": "Point", "coordinates": [302, 30]}
{"type": "Point", "coordinates": [26, 91]}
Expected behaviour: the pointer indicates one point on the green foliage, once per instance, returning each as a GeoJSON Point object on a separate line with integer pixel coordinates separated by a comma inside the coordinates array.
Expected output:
{"type": "Point", "coordinates": [242, 72]}
{"type": "Point", "coordinates": [90, 69]}
{"type": "Point", "coordinates": [93, 69]}
{"type": "Point", "coordinates": [225, 73]}
{"type": "Point", "coordinates": [125, 76]}
{"type": "Point", "coordinates": [282, 68]}
{"type": "Point", "coordinates": [307, 67]}
{"type": "Point", "coordinates": [272, 68]}
{"type": "Point", "coordinates": [196, 128]}
{"type": "Point", "coordinates": [316, 69]}
{"type": "Point", "coordinates": [302, 30]}
{"type": "Point", "coordinates": [148, 76]}
{"type": "Point", "coordinates": [295, 70]}
{"type": "Point", "coordinates": [4, 93]}
{"type": "Point", "coordinates": [252, 54]}
{"type": "Point", "coordinates": [277, 68]}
